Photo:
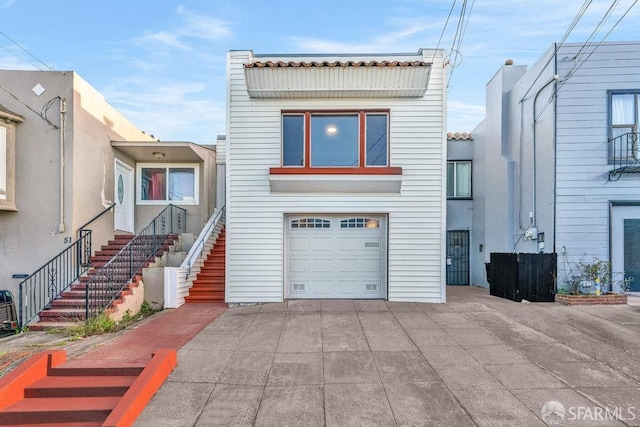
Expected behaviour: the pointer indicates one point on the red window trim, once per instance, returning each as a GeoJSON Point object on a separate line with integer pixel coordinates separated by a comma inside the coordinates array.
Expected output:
{"type": "Point", "coordinates": [362, 169]}
{"type": "Point", "coordinates": [370, 170]}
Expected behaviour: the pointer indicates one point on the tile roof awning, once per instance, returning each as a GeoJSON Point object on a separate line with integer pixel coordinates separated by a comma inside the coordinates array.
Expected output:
{"type": "Point", "coordinates": [337, 79]}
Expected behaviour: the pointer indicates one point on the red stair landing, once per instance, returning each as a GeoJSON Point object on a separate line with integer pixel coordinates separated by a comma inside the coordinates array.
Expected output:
{"type": "Point", "coordinates": [209, 284]}
{"type": "Point", "coordinates": [46, 391]}
{"type": "Point", "coordinates": [70, 308]}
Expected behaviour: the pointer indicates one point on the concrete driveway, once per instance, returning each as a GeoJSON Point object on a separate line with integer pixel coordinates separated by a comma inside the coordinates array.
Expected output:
{"type": "Point", "coordinates": [477, 360]}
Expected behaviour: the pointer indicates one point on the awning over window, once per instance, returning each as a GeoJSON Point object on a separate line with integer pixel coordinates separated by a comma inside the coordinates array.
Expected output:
{"type": "Point", "coordinates": [337, 79]}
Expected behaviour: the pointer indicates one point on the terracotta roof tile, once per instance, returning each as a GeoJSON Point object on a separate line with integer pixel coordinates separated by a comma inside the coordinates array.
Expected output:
{"type": "Point", "coordinates": [335, 64]}
{"type": "Point", "coordinates": [459, 136]}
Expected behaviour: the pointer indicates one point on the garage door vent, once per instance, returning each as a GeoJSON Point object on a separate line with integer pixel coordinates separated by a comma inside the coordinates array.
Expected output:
{"type": "Point", "coordinates": [297, 287]}
{"type": "Point", "coordinates": [372, 287]}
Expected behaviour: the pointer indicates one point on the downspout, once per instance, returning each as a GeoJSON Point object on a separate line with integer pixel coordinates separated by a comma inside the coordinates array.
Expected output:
{"type": "Point", "coordinates": [535, 99]}
{"type": "Point", "coordinates": [63, 112]}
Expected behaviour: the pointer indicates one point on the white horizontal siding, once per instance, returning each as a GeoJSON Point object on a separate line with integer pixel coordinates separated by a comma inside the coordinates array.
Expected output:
{"type": "Point", "coordinates": [583, 190]}
{"type": "Point", "coordinates": [255, 226]}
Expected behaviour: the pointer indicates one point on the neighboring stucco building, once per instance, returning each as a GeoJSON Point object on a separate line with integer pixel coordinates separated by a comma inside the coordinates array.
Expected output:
{"type": "Point", "coordinates": [66, 155]}
{"type": "Point", "coordinates": [459, 207]}
{"type": "Point", "coordinates": [335, 168]}
{"type": "Point", "coordinates": [556, 156]}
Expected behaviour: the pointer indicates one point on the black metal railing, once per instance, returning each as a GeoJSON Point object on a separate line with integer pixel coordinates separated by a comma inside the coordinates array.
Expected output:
{"type": "Point", "coordinates": [624, 155]}
{"type": "Point", "coordinates": [109, 281]}
{"type": "Point", "coordinates": [47, 283]}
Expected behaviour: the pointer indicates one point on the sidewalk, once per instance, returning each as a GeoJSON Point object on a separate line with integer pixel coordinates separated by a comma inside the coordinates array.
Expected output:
{"type": "Point", "coordinates": [133, 345]}
{"type": "Point", "coordinates": [477, 360]}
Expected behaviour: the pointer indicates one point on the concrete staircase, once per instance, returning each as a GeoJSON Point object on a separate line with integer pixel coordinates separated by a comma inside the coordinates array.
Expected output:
{"type": "Point", "coordinates": [69, 309]}
{"type": "Point", "coordinates": [209, 284]}
{"type": "Point", "coordinates": [45, 391]}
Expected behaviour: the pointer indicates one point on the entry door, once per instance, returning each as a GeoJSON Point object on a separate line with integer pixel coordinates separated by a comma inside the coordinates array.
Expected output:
{"type": "Point", "coordinates": [331, 256]}
{"type": "Point", "coordinates": [625, 243]}
{"type": "Point", "coordinates": [124, 195]}
{"type": "Point", "coordinates": [458, 257]}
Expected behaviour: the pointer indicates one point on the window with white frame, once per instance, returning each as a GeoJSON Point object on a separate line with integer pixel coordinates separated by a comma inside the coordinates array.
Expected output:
{"type": "Point", "coordinates": [624, 112]}
{"type": "Point", "coordinates": [459, 179]}
{"type": "Point", "coordinates": [161, 183]}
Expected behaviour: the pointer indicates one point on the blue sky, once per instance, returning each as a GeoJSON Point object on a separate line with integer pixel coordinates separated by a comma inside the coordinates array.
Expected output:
{"type": "Point", "coordinates": [162, 63]}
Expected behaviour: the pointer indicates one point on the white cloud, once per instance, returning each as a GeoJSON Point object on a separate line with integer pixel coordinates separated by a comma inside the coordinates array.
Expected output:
{"type": "Point", "coordinates": [170, 111]}
{"type": "Point", "coordinates": [463, 117]}
{"type": "Point", "coordinates": [163, 38]}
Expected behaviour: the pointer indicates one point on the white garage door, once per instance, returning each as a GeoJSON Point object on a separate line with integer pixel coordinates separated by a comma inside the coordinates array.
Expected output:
{"type": "Point", "coordinates": [336, 256]}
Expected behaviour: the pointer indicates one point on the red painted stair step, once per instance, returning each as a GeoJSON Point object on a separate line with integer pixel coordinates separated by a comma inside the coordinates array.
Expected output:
{"type": "Point", "coordinates": [80, 386]}
{"type": "Point", "coordinates": [58, 410]}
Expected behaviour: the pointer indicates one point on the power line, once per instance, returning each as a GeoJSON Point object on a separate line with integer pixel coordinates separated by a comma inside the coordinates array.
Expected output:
{"type": "Point", "coordinates": [19, 57]}
{"type": "Point", "coordinates": [571, 27]}
{"type": "Point", "coordinates": [25, 50]}
{"type": "Point", "coordinates": [579, 63]}
{"type": "Point", "coordinates": [443, 30]}
{"type": "Point", "coordinates": [42, 114]}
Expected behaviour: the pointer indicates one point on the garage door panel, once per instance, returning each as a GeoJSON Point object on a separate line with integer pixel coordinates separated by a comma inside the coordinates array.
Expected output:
{"type": "Point", "coordinates": [322, 287]}
{"type": "Point", "coordinates": [299, 244]}
{"type": "Point", "coordinates": [373, 245]}
{"type": "Point", "coordinates": [348, 265]}
{"type": "Point", "coordinates": [299, 266]}
{"type": "Point", "coordinates": [349, 287]}
{"type": "Point", "coordinates": [348, 244]}
{"type": "Point", "coordinates": [321, 265]}
{"type": "Point", "coordinates": [322, 244]}
{"type": "Point", "coordinates": [373, 265]}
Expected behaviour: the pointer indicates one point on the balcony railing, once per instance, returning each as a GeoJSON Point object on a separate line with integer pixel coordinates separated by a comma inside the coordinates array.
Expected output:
{"type": "Point", "coordinates": [625, 155]}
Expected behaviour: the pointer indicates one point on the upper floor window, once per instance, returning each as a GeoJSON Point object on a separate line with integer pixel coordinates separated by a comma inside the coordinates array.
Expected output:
{"type": "Point", "coordinates": [320, 140]}
{"type": "Point", "coordinates": [8, 159]}
{"type": "Point", "coordinates": [162, 183]}
{"type": "Point", "coordinates": [459, 180]}
{"type": "Point", "coordinates": [624, 117]}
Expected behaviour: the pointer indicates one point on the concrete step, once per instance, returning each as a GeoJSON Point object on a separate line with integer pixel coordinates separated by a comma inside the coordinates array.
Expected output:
{"type": "Point", "coordinates": [79, 386]}
{"type": "Point", "coordinates": [58, 410]}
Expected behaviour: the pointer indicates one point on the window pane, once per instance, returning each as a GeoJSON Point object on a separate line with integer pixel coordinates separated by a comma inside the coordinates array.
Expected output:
{"type": "Point", "coordinates": [293, 140]}
{"type": "Point", "coordinates": [463, 179]}
{"type": "Point", "coordinates": [376, 139]}
{"type": "Point", "coordinates": [153, 186]}
{"type": "Point", "coordinates": [623, 109]}
{"type": "Point", "coordinates": [334, 140]}
{"type": "Point", "coordinates": [181, 184]}
{"type": "Point", "coordinates": [450, 179]}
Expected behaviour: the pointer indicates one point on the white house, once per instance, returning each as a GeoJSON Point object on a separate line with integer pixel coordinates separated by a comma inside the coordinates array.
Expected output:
{"type": "Point", "coordinates": [556, 159]}
{"type": "Point", "coordinates": [335, 172]}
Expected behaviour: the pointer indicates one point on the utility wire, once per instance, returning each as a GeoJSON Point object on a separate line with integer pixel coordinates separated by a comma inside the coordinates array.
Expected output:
{"type": "Point", "coordinates": [19, 57]}
{"type": "Point", "coordinates": [571, 27]}
{"type": "Point", "coordinates": [41, 114]}
{"type": "Point", "coordinates": [25, 50]}
{"type": "Point", "coordinates": [443, 30]}
{"type": "Point", "coordinates": [577, 65]}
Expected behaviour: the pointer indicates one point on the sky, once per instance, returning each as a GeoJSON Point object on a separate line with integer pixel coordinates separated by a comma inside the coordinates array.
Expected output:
{"type": "Point", "coordinates": [161, 63]}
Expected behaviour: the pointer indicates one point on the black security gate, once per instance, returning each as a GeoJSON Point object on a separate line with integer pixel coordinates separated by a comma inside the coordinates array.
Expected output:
{"type": "Point", "coordinates": [458, 257]}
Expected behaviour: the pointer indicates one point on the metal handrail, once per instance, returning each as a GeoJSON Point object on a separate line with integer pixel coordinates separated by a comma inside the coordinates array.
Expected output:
{"type": "Point", "coordinates": [49, 281]}
{"type": "Point", "coordinates": [196, 249]}
{"type": "Point", "coordinates": [110, 280]}
{"type": "Point", "coordinates": [96, 217]}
